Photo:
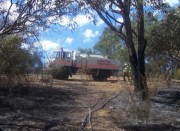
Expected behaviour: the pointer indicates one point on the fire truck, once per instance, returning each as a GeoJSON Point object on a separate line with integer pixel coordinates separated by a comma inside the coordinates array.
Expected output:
{"type": "Point", "coordinates": [65, 63]}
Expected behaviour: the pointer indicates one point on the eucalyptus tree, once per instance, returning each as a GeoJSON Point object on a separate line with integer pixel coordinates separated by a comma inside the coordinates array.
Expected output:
{"type": "Point", "coordinates": [15, 59]}
{"type": "Point", "coordinates": [111, 45]}
{"type": "Point", "coordinates": [29, 17]}
{"type": "Point", "coordinates": [107, 42]}
{"type": "Point", "coordinates": [169, 29]}
{"type": "Point", "coordinates": [164, 49]}
{"type": "Point", "coordinates": [85, 51]}
{"type": "Point", "coordinates": [119, 15]}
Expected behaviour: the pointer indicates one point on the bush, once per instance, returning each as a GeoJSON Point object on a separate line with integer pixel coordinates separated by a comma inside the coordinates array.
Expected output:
{"type": "Point", "coordinates": [16, 60]}
{"type": "Point", "coordinates": [177, 74]}
{"type": "Point", "coordinates": [61, 73]}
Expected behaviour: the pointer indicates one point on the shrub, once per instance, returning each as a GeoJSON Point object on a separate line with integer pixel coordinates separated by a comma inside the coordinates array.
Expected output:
{"type": "Point", "coordinates": [16, 60]}
{"type": "Point", "coordinates": [61, 73]}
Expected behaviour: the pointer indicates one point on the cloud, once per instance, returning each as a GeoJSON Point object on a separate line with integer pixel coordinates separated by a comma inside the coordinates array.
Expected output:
{"type": "Point", "coordinates": [64, 21]}
{"type": "Point", "coordinates": [68, 40]}
{"type": "Point", "coordinates": [80, 20]}
{"type": "Point", "coordinates": [172, 2]}
{"type": "Point", "coordinates": [47, 45]}
{"type": "Point", "coordinates": [90, 34]}
{"type": "Point", "coordinates": [5, 5]}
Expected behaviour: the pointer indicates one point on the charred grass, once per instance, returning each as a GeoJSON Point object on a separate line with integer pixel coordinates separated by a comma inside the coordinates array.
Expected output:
{"type": "Point", "coordinates": [62, 106]}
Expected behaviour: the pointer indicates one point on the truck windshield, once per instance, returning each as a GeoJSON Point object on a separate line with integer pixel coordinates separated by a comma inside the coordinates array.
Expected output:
{"type": "Point", "coordinates": [55, 55]}
{"type": "Point", "coordinates": [66, 55]}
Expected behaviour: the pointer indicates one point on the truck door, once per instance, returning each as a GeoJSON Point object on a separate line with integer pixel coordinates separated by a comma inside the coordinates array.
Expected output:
{"type": "Point", "coordinates": [64, 58]}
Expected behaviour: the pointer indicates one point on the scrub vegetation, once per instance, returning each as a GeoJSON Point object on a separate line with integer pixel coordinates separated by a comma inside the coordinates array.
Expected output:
{"type": "Point", "coordinates": [146, 44]}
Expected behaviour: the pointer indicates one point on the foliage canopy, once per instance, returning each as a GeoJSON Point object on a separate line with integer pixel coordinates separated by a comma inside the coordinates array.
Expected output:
{"type": "Point", "coordinates": [16, 60]}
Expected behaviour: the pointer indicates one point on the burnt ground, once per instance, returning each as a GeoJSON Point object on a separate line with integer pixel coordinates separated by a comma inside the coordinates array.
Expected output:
{"type": "Point", "coordinates": [82, 104]}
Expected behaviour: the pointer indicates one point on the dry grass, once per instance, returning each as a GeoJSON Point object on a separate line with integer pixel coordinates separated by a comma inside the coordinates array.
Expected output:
{"type": "Point", "coordinates": [103, 113]}
{"type": "Point", "coordinates": [126, 108]}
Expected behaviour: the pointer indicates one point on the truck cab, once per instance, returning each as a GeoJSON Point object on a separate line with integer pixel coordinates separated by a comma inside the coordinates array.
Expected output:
{"type": "Point", "coordinates": [61, 62]}
{"type": "Point", "coordinates": [62, 58]}
{"type": "Point", "coordinates": [66, 63]}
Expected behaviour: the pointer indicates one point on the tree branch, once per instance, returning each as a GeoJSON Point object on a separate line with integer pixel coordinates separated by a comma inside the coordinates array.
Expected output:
{"type": "Point", "coordinates": [84, 123]}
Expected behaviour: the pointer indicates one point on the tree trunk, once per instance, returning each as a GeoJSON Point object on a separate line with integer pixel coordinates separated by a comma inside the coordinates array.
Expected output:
{"type": "Point", "coordinates": [137, 60]}
{"type": "Point", "coordinates": [141, 49]}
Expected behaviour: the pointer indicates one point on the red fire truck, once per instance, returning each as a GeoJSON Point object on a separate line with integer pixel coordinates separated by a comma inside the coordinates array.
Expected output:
{"type": "Point", "coordinates": [69, 62]}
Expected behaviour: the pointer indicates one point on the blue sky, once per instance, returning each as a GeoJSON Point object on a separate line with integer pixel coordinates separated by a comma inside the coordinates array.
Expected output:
{"type": "Point", "coordinates": [85, 35]}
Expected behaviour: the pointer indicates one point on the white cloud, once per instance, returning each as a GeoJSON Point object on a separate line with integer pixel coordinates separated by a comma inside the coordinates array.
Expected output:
{"type": "Point", "coordinates": [90, 34]}
{"type": "Point", "coordinates": [64, 21]}
{"type": "Point", "coordinates": [5, 5]}
{"type": "Point", "coordinates": [82, 20]}
{"type": "Point", "coordinates": [172, 2]}
{"type": "Point", "coordinates": [52, 19]}
{"type": "Point", "coordinates": [79, 20]}
{"type": "Point", "coordinates": [69, 40]}
{"type": "Point", "coordinates": [47, 45]}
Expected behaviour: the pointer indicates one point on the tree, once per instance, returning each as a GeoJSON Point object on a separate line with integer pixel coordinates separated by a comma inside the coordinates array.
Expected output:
{"type": "Point", "coordinates": [111, 45]}
{"type": "Point", "coordinates": [107, 43]}
{"type": "Point", "coordinates": [163, 48]}
{"type": "Point", "coordinates": [30, 16]}
{"type": "Point", "coordinates": [170, 34]}
{"type": "Point", "coordinates": [110, 11]}
{"type": "Point", "coordinates": [85, 51]}
{"type": "Point", "coordinates": [15, 60]}
{"type": "Point", "coordinates": [27, 19]}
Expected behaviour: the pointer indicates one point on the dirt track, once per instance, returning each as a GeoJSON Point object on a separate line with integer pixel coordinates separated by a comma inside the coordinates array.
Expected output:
{"type": "Point", "coordinates": [109, 106]}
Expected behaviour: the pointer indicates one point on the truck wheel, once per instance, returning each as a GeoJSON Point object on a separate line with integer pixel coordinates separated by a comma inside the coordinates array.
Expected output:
{"type": "Point", "coordinates": [95, 77]}
{"type": "Point", "coordinates": [102, 76]}
{"type": "Point", "coordinates": [60, 73]}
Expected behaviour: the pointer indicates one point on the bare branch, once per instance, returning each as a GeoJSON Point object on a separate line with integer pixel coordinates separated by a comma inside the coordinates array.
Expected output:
{"type": "Point", "coordinates": [32, 14]}
{"type": "Point", "coordinates": [6, 17]}
{"type": "Point", "coordinates": [91, 111]}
